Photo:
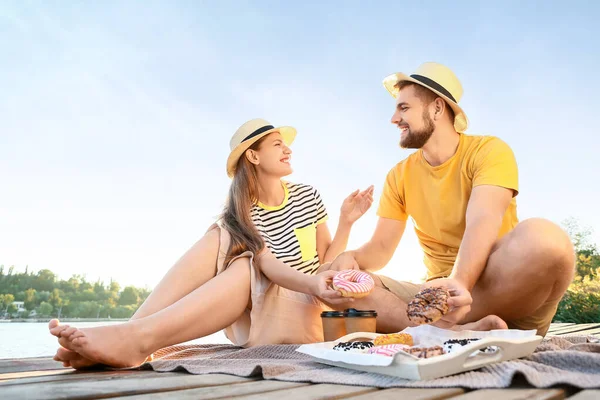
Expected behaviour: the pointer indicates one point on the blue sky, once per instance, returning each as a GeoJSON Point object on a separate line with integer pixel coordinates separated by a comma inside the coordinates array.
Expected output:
{"type": "Point", "coordinates": [115, 117]}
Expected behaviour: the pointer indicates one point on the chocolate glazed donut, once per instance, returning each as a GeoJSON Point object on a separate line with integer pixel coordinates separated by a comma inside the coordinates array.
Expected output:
{"type": "Point", "coordinates": [428, 306]}
{"type": "Point", "coordinates": [426, 352]}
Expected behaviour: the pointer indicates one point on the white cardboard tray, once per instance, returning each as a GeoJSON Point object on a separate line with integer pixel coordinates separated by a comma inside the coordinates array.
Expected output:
{"type": "Point", "coordinates": [511, 343]}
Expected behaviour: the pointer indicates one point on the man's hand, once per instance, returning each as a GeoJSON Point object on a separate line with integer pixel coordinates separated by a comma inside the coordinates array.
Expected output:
{"type": "Point", "coordinates": [321, 288]}
{"type": "Point", "coordinates": [343, 261]}
{"type": "Point", "coordinates": [459, 302]}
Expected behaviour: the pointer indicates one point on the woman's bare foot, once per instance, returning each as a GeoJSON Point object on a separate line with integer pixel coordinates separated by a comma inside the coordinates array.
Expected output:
{"type": "Point", "coordinates": [73, 359]}
{"type": "Point", "coordinates": [117, 346]}
{"type": "Point", "coordinates": [67, 357]}
{"type": "Point", "coordinates": [488, 323]}
{"type": "Point", "coordinates": [55, 327]}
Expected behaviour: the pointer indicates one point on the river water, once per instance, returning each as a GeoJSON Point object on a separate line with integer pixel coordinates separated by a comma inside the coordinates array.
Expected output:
{"type": "Point", "coordinates": [31, 339]}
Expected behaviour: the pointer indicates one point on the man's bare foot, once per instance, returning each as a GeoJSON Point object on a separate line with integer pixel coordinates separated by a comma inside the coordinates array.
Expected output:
{"type": "Point", "coordinates": [117, 346]}
{"type": "Point", "coordinates": [488, 323]}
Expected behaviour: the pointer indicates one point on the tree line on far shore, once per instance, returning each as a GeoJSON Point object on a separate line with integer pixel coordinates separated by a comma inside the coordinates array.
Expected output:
{"type": "Point", "coordinates": [44, 295]}
{"type": "Point", "coordinates": [581, 302]}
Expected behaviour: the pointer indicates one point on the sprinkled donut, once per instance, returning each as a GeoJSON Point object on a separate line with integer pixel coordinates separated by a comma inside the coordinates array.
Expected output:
{"type": "Point", "coordinates": [353, 283]}
{"type": "Point", "coordinates": [452, 345]}
{"type": "Point", "coordinates": [388, 349]}
{"type": "Point", "coordinates": [394, 338]}
{"type": "Point", "coordinates": [353, 347]}
{"type": "Point", "coordinates": [429, 305]}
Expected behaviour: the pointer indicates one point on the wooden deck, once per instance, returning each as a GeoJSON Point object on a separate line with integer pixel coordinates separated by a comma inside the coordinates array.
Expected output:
{"type": "Point", "coordinates": [42, 378]}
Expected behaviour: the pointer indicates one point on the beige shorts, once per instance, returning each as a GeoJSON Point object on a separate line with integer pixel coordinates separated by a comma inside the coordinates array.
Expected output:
{"type": "Point", "coordinates": [540, 320]}
{"type": "Point", "coordinates": [276, 315]}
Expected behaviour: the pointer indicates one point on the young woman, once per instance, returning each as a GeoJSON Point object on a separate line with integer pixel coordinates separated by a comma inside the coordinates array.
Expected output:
{"type": "Point", "coordinates": [252, 274]}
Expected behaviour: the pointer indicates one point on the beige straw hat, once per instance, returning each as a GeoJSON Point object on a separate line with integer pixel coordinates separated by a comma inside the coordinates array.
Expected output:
{"type": "Point", "coordinates": [439, 79]}
{"type": "Point", "coordinates": [248, 134]}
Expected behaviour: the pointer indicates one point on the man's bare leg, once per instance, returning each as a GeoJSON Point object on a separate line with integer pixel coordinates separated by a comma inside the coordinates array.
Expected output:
{"type": "Point", "coordinates": [531, 265]}
{"type": "Point", "coordinates": [192, 270]}
{"type": "Point", "coordinates": [191, 317]}
{"type": "Point", "coordinates": [391, 310]}
{"type": "Point", "coordinates": [487, 323]}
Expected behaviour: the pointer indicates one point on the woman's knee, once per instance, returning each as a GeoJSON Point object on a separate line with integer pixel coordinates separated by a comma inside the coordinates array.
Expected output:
{"type": "Point", "coordinates": [203, 255]}
{"type": "Point", "coordinates": [241, 266]}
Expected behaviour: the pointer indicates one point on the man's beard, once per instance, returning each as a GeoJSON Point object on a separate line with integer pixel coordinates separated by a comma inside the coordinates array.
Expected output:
{"type": "Point", "coordinates": [417, 139]}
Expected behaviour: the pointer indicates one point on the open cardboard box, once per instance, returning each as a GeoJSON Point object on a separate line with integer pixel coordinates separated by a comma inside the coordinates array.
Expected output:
{"type": "Point", "coordinates": [510, 344]}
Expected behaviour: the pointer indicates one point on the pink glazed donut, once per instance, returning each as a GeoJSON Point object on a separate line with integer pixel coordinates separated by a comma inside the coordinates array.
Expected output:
{"type": "Point", "coordinates": [388, 349]}
{"type": "Point", "coordinates": [353, 283]}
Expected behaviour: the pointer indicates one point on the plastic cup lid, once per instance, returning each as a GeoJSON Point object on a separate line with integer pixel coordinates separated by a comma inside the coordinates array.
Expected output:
{"type": "Point", "coordinates": [354, 313]}
{"type": "Point", "coordinates": [332, 314]}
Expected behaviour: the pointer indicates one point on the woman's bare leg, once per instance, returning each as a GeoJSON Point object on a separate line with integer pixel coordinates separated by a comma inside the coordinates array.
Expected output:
{"type": "Point", "coordinates": [206, 310]}
{"type": "Point", "coordinates": [196, 267]}
{"type": "Point", "coordinates": [192, 270]}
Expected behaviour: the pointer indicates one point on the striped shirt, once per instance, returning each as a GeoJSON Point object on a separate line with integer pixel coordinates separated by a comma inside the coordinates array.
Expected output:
{"type": "Point", "coordinates": [290, 229]}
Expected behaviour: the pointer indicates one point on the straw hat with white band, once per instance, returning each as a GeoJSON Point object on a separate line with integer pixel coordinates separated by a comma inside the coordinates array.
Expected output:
{"type": "Point", "coordinates": [439, 79]}
{"type": "Point", "coordinates": [248, 134]}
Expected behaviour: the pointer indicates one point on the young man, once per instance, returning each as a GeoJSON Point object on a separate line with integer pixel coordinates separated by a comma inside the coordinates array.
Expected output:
{"type": "Point", "coordinates": [460, 192]}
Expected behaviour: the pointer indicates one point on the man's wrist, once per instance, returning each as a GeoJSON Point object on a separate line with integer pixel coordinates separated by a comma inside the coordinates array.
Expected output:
{"type": "Point", "coordinates": [463, 279]}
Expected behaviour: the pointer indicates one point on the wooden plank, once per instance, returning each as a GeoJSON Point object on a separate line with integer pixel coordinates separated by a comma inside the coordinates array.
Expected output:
{"type": "Point", "coordinates": [584, 332]}
{"type": "Point", "coordinates": [410, 394]}
{"type": "Point", "coordinates": [556, 328]}
{"type": "Point", "coordinates": [90, 388]}
{"type": "Point", "coordinates": [555, 325]}
{"type": "Point", "coordinates": [586, 395]}
{"type": "Point", "coordinates": [71, 375]}
{"type": "Point", "coordinates": [513, 394]}
{"type": "Point", "coordinates": [562, 331]}
{"type": "Point", "coordinates": [29, 364]}
{"type": "Point", "coordinates": [218, 392]}
{"type": "Point", "coordinates": [317, 391]}
{"type": "Point", "coordinates": [576, 328]}
{"type": "Point", "coordinates": [561, 326]}
{"type": "Point", "coordinates": [29, 374]}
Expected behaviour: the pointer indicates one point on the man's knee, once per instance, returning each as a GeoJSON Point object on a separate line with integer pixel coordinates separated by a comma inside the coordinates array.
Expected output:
{"type": "Point", "coordinates": [554, 254]}
{"type": "Point", "coordinates": [546, 241]}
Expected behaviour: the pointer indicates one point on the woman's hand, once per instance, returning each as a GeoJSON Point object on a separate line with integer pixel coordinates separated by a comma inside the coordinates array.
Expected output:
{"type": "Point", "coordinates": [355, 205]}
{"type": "Point", "coordinates": [321, 288]}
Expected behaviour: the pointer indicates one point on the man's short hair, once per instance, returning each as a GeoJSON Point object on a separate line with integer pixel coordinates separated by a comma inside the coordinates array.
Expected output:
{"type": "Point", "coordinates": [427, 96]}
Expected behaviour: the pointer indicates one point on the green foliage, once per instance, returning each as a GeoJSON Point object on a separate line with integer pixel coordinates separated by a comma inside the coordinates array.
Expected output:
{"type": "Point", "coordinates": [30, 299]}
{"type": "Point", "coordinates": [75, 297]}
{"type": "Point", "coordinates": [45, 309]}
{"type": "Point", "coordinates": [129, 296]}
{"type": "Point", "coordinates": [123, 311]}
{"type": "Point", "coordinates": [6, 303]}
{"type": "Point", "coordinates": [581, 302]}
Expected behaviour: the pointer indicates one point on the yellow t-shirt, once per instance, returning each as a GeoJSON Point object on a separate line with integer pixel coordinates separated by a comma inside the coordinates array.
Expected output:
{"type": "Point", "coordinates": [436, 198]}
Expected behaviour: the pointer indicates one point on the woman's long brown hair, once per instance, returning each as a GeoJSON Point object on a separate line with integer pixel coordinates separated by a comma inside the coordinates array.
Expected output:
{"type": "Point", "coordinates": [236, 219]}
